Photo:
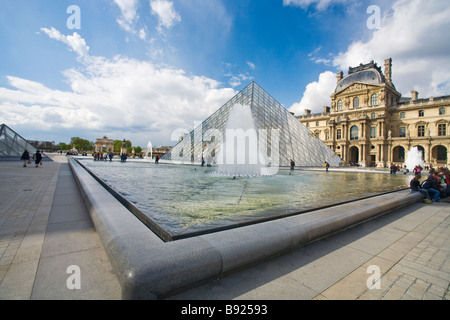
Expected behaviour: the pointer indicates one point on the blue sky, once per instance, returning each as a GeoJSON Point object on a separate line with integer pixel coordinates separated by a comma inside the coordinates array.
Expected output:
{"type": "Point", "coordinates": [140, 69]}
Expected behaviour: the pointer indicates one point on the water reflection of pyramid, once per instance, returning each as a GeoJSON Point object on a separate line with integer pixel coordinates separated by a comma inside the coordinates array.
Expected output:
{"type": "Point", "coordinates": [12, 145]}
{"type": "Point", "coordinates": [295, 140]}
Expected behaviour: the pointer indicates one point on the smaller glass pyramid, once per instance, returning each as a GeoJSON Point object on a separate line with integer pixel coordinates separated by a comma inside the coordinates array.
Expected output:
{"type": "Point", "coordinates": [12, 145]}
{"type": "Point", "coordinates": [283, 137]}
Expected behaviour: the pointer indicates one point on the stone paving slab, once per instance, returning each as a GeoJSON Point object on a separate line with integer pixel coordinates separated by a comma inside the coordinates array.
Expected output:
{"type": "Point", "coordinates": [44, 228]}
{"type": "Point", "coordinates": [26, 196]}
{"type": "Point", "coordinates": [336, 268]}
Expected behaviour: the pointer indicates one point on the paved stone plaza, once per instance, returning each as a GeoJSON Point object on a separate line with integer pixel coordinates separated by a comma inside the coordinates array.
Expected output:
{"type": "Point", "coordinates": [45, 229]}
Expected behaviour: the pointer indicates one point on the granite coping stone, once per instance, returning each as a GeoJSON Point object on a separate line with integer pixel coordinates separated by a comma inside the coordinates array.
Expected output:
{"type": "Point", "coordinates": [149, 268]}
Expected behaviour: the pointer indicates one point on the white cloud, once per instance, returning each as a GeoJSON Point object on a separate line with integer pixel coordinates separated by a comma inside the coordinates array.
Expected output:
{"type": "Point", "coordinates": [316, 95]}
{"type": "Point", "coordinates": [415, 35]}
{"type": "Point", "coordinates": [167, 16]}
{"type": "Point", "coordinates": [251, 65]}
{"type": "Point", "coordinates": [319, 4]}
{"type": "Point", "coordinates": [75, 42]}
{"type": "Point", "coordinates": [129, 13]}
{"type": "Point", "coordinates": [120, 97]}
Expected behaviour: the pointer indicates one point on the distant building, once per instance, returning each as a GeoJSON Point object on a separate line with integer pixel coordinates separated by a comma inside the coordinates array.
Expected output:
{"type": "Point", "coordinates": [369, 123]}
{"type": "Point", "coordinates": [43, 145]}
{"type": "Point", "coordinates": [160, 151]}
{"type": "Point", "coordinates": [104, 145]}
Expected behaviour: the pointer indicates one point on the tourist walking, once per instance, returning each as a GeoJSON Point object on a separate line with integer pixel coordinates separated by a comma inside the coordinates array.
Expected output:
{"type": "Point", "coordinates": [292, 163]}
{"type": "Point", "coordinates": [25, 157]}
{"type": "Point", "coordinates": [326, 165]}
{"type": "Point", "coordinates": [37, 158]}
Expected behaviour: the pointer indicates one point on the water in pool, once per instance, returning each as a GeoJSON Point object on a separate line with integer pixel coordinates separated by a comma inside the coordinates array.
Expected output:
{"type": "Point", "coordinates": [185, 199]}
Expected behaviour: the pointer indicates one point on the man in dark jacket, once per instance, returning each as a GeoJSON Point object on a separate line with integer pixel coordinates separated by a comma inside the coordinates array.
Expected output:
{"type": "Point", "coordinates": [415, 186]}
{"type": "Point", "coordinates": [37, 158]}
{"type": "Point", "coordinates": [25, 157]}
{"type": "Point", "coordinates": [429, 185]}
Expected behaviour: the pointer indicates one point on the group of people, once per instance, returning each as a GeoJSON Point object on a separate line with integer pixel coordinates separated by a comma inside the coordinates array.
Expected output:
{"type": "Point", "coordinates": [37, 157]}
{"type": "Point", "coordinates": [435, 187]}
{"type": "Point", "coordinates": [99, 156]}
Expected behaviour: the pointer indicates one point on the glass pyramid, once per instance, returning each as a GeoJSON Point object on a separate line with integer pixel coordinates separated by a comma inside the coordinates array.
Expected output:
{"type": "Point", "coordinates": [12, 145]}
{"type": "Point", "coordinates": [281, 135]}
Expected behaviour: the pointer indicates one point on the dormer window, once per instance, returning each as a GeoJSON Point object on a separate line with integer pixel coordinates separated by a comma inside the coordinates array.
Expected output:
{"type": "Point", "coordinates": [374, 100]}
{"type": "Point", "coordinates": [355, 103]}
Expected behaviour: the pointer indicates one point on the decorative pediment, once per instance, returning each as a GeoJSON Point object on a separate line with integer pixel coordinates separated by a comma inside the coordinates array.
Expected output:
{"type": "Point", "coordinates": [420, 123]}
{"type": "Point", "coordinates": [356, 87]}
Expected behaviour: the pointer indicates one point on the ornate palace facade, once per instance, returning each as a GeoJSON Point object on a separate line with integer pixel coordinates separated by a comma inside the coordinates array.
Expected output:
{"type": "Point", "coordinates": [371, 124]}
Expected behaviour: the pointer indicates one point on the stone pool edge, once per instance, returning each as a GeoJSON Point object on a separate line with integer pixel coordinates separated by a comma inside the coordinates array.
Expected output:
{"type": "Point", "coordinates": [149, 268]}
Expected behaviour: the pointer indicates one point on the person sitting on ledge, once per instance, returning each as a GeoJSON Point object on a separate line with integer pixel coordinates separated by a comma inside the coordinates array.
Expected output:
{"type": "Point", "coordinates": [415, 186]}
{"type": "Point", "coordinates": [430, 185]}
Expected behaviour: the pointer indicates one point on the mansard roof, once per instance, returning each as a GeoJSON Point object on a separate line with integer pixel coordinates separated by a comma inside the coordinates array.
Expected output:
{"type": "Point", "coordinates": [366, 73]}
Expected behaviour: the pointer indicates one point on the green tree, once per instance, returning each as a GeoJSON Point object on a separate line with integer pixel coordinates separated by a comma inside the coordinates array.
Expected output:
{"type": "Point", "coordinates": [63, 146]}
{"type": "Point", "coordinates": [81, 144]}
{"type": "Point", "coordinates": [118, 145]}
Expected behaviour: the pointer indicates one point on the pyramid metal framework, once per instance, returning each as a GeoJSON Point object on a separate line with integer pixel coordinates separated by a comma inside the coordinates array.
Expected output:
{"type": "Point", "coordinates": [12, 145]}
{"type": "Point", "coordinates": [295, 140]}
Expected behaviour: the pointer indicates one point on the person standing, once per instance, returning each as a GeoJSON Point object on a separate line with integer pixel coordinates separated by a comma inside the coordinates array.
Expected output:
{"type": "Point", "coordinates": [25, 157]}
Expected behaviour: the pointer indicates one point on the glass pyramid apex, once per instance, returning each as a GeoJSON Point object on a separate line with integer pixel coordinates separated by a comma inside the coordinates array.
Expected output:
{"type": "Point", "coordinates": [293, 140]}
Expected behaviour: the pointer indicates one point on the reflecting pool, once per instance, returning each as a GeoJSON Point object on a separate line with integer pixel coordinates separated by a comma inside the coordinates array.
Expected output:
{"type": "Point", "coordinates": [187, 200]}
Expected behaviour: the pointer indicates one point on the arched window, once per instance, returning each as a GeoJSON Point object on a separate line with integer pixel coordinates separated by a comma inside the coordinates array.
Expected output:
{"type": "Point", "coordinates": [374, 100]}
{"type": "Point", "coordinates": [354, 133]}
{"type": "Point", "coordinates": [339, 105]}
{"type": "Point", "coordinates": [373, 115]}
{"type": "Point", "coordinates": [356, 102]}
{"type": "Point", "coordinates": [421, 113]}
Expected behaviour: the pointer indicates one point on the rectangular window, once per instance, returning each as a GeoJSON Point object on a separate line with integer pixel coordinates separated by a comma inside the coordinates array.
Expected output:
{"type": "Point", "coordinates": [402, 132]}
{"type": "Point", "coordinates": [442, 129]}
{"type": "Point", "coordinates": [338, 134]}
{"type": "Point", "coordinates": [442, 111]}
{"type": "Point", "coordinates": [373, 132]}
{"type": "Point", "coordinates": [421, 131]}
{"type": "Point", "coordinates": [354, 133]}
